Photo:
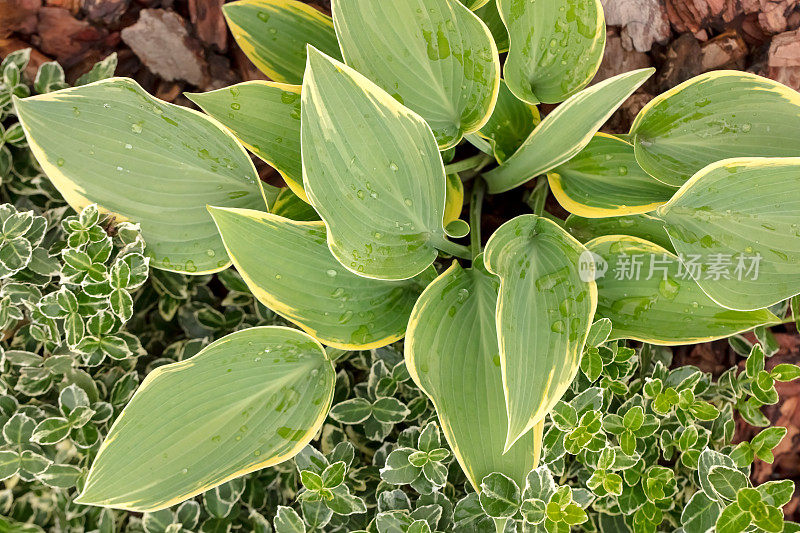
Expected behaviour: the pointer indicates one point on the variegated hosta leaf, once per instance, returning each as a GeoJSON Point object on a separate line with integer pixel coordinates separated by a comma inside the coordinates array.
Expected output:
{"type": "Point", "coordinates": [714, 116]}
{"type": "Point", "coordinates": [454, 204]}
{"type": "Point", "coordinates": [474, 4]}
{"type": "Point", "coordinates": [146, 161]}
{"type": "Point", "coordinates": [289, 205]}
{"type": "Point", "coordinates": [287, 265]}
{"type": "Point", "coordinates": [556, 47]}
{"type": "Point", "coordinates": [604, 180]}
{"type": "Point", "coordinates": [544, 312]}
{"type": "Point", "coordinates": [740, 220]}
{"type": "Point", "coordinates": [649, 296]}
{"type": "Point", "coordinates": [252, 399]}
{"type": "Point", "coordinates": [643, 226]}
{"type": "Point", "coordinates": [368, 158]}
{"type": "Point", "coordinates": [434, 56]}
{"type": "Point", "coordinates": [452, 354]}
{"type": "Point", "coordinates": [274, 35]}
{"type": "Point", "coordinates": [510, 124]}
{"type": "Point", "coordinates": [490, 16]}
{"type": "Point", "coordinates": [564, 132]}
{"type": "Point", "coordinates": [265, 117]}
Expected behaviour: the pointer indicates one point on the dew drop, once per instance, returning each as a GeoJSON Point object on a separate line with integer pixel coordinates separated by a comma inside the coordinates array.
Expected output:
{"type": "Point", "coordinates": [60, 162]}
{"type": "Point", "coordinates": [136, 127]}
{"type": "Point", "coordinates": [331, 272]}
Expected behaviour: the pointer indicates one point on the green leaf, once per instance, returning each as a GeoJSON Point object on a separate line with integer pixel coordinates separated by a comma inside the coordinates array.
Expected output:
{"type": "Point", "coordinates": [564, 132]}
{"type": "Point", "coordinates": [452, 354]}
{"type": "Point", "coordinates": [733, 519]}
{"type": "Point", "coordinates": [707, 460]}
{"type": "Point", "coordinates": [252, 399]}
{"type": "Point", "coordinates": [714, 116]}
{"type": "Point", "coordinates": [448, 71]}
{"type": "Point", "coordinates": [753, 237]}
{"type": "Point", "coordinates": [544, 312]}
{"type": "Point", "coordinates": [500, 496]}
{"type": "Point", "coordinates": [146, 161]}
{"type": "Point", "coordinates": [649, 297]}
{"type": "Point", "coordinates": [265, 117]}
{"type": "Point", "coordinates": [379, 163]}
{"type": "Point", "coordinates": [643, 226]}
{"type": "Point", "coordinates": [490, 16]}
{"type": "Point", "coordinates": [765, 441]}
{"type": "Point", "coordinates": [785, 372]}
{"type": "Point", "coordinates": [352, 411]}
{"type": "Point", "coordinates": [274, 35]}
{"type": "Point", "coordinates": [556, 47]}
{"type": "Point", "coordinates": [604, 180]}
{"type": "Point", "coordinates": [305, 284]}
{"type": "Point", "coordinates": [777, 493]}
{"type": "Point", "coordinates": [700, 514]}
{"type": "Point", "coordinates": [727, 481]}
{"type": "Point", "coordinates": [510, 123]}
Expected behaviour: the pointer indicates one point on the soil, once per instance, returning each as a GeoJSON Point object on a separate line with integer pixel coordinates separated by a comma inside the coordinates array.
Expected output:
{"type": "Point", "coordinates": [171, 46]}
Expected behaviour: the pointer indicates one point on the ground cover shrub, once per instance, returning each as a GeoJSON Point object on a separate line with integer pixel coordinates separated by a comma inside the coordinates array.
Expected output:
{"type": "Point", "coordinates": [530, 390]}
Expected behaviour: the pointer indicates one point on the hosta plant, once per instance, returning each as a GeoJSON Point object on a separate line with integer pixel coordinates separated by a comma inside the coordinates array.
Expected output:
{"type": "Point", "coordinates": [682, 230]}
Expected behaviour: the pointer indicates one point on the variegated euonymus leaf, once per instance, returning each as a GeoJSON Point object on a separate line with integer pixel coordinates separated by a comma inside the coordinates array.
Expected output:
{"type": "Point", "coordinates": [434, 56]}
{"type": "Point", "coordinates": [738, 220]}
{"type": "Point", "coordinates": [564, 132]}
{"type": "Point", "coordinates": [648, 296]}
{"type": "Point", "coordinates": [274, 35]}
{"type": "Point", "coordinates": [146, 161]}
{"type": "Point", "coordinates": [645, 227]}
{"type": "Point", "coordinates": [287, 265]}
{"type": "Point", "coordinates": [368, 158]}
{"type": "Point", "coordinates": [556, 47]}
{"type": "Point", "coordinates": [544, 311]}
{"type": "Point", "coordinates": [452, 354]}
{"type": "Point", "coordinates": [510, 124]}
{"type": "Point", "coordinates": [604, 180]}
{"type": "Point", "coordinates": [252, 399]}
{"type": "Point", "coordinates": [265, 117]}
{"type": "Point", "coordinates": [714, 116]}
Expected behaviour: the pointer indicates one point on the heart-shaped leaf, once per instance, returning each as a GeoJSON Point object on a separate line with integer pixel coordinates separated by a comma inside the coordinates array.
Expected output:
{"type": "Point", "coordinates": [544, 312]}
{"type": "Point", "coordinates": [556, 47]}
{"type": "Point", "coordinates": [714, 116]}
{"type": "Point", "coordinates": [287, 265]}
{"type": "Point", "coordinates": [474, 4]}
{"type": "Point", "coordinates": [604, 180]}
{"type": "Point", "coordinates": [490, 16]}
{"type": "Point", "coordinates": [265, 117]}
{"type": "Point", "coordinates": [366, 157]}
{"type": "Point", "coordinates": [146, 161]}
{"type": "Point", "coordinates": [274, 35]}
{"type": "Point", "coordinates": [643, 226]}
{"type": "Point", "coordinates": [738, 220]}
{"type": "Point", "coordinates": [252, 399]}
{"type": "Point", "coordinates": [564, 132]}
{"type": "Point", "coordinates": [452, 354]}
{"type": "Point", "coordinates": [434, 56]}
{"type": "Point", "coordinates": [289, 205]}
{"type": "Point", "coordinates": [510, 124]}
{"type": "Point", "coordinates": [650, 297]}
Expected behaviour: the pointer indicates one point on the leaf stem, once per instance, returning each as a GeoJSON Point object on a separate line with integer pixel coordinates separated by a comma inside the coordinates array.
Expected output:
{"type": "Point", "coordinates": [538, 196]}
{"type": "Point", "coordinates": [475, 207]}
{"type": "Point", "coordinates": [500, 524]}
{"type": "Point", "coordinates": [451, 248]}
{"type": "Point", "coordinates": [465, 164]}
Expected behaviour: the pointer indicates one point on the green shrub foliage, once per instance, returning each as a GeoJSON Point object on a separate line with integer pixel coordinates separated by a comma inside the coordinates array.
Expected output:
{"type": "Point", "coordinates": [187, 348]}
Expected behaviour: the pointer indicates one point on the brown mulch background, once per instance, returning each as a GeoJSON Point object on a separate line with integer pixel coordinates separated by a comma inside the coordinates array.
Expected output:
{"type": "Point", "coordinates": [171, 46]}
